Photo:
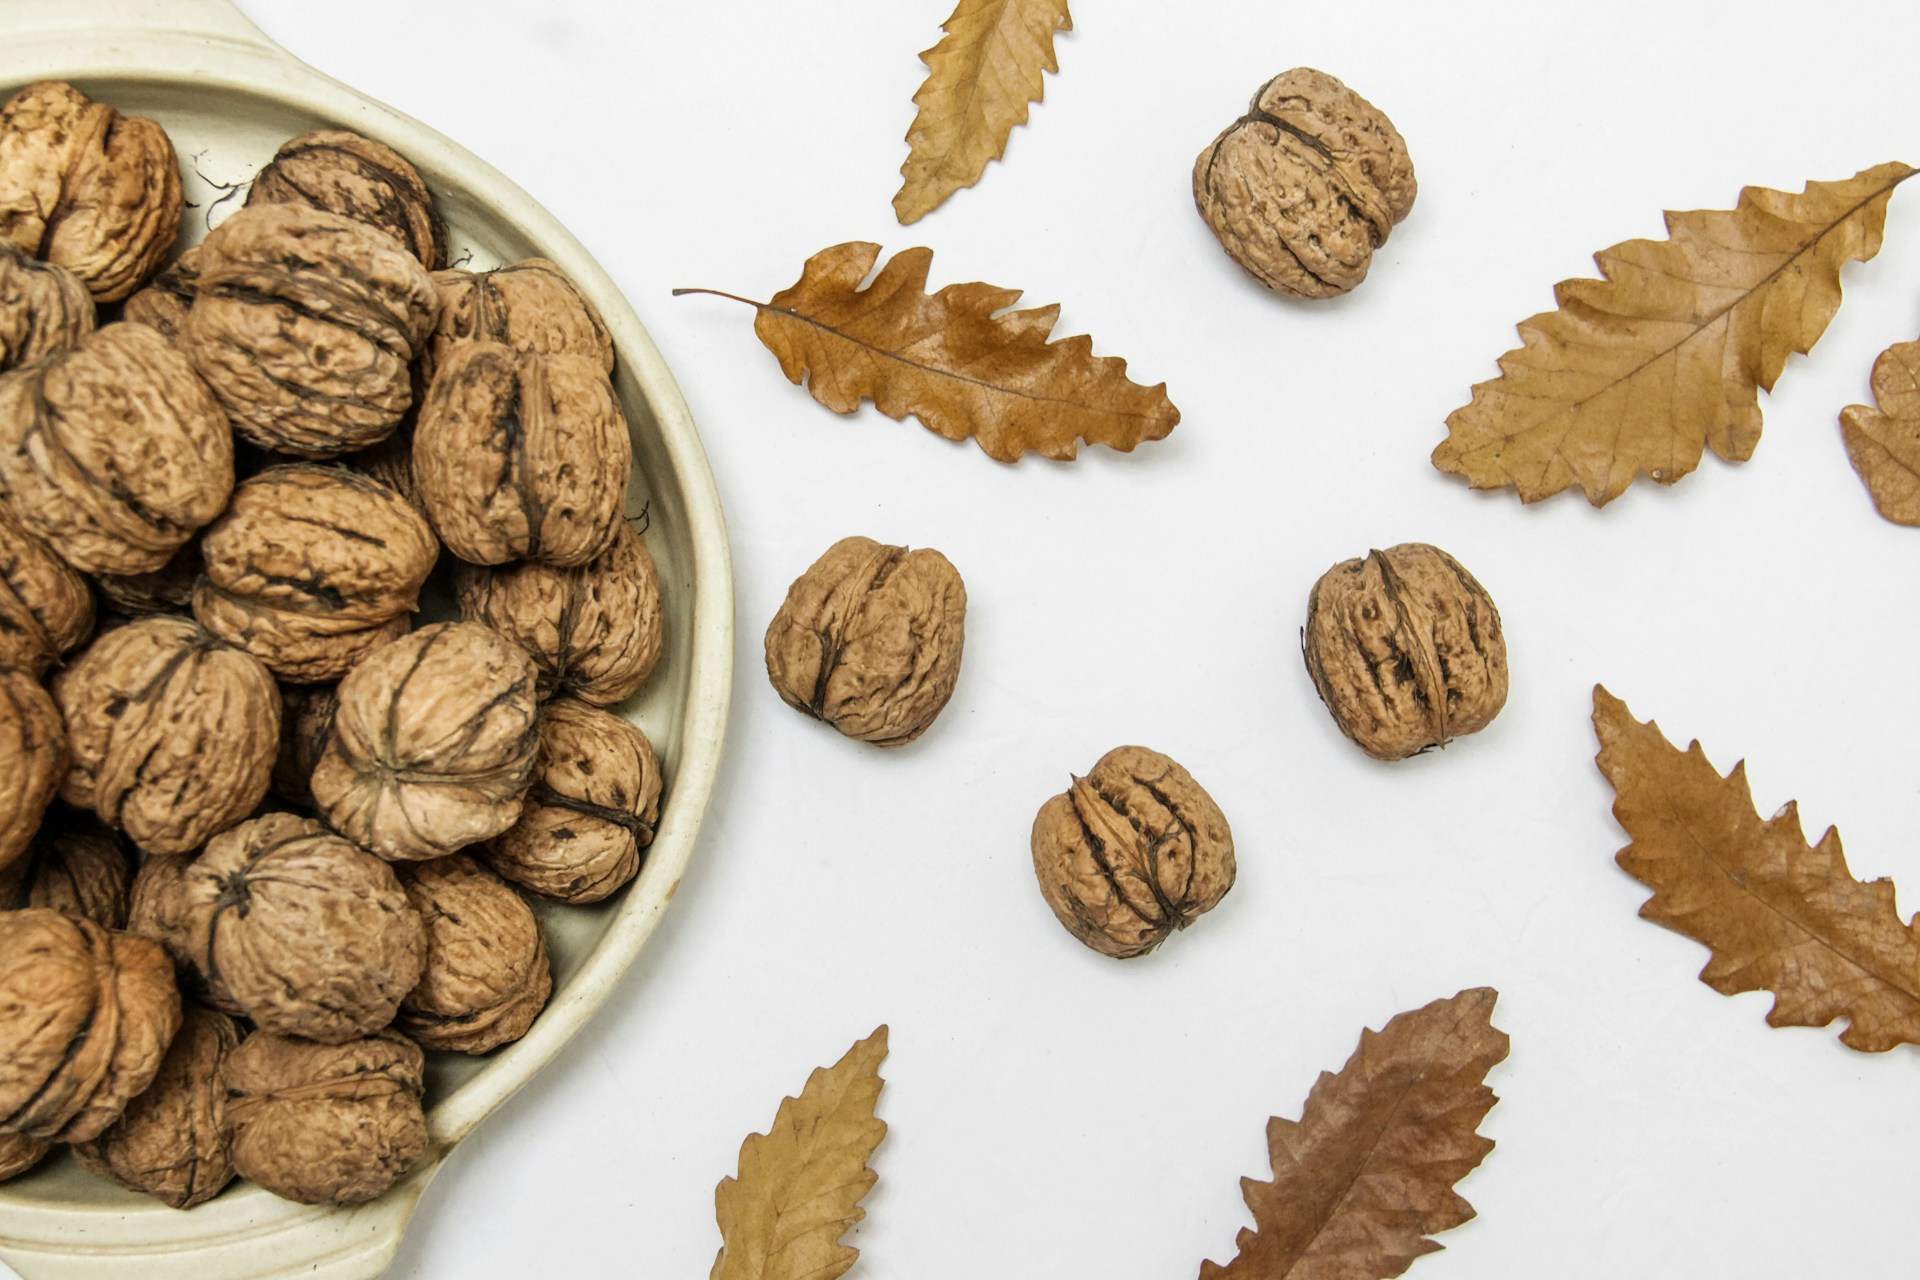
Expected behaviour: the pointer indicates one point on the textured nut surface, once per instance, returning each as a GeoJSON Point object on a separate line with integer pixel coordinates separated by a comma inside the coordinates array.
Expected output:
{"type": "Point", "coordinates": [355, 177]}
{"type": "Point", "coordinates": [33, 759]}
{"type": "Point", "coordinates": [44, 308]}
{"type": "Point", "coordinates": [522, 457]}
{"type": "Point", "coordinates": [306, 721]}
{"type": "Point", "coordinates": [595, 632]}
{"type": "Point", "coordinates": [172, 733]}
{"type": "Point", "coordinates": [1406, 650]}
{"type": "Point", "coordinates": [45, 607]}
{"type": "Point", "coordinates": [85, 187]}
{"type": "Point", "coordinates": [487, 976]}
{"type": "Point", "coordinates": [168, 589]}
{"type": "Point", "coordinates": [157, 908]}
{"type": "Point", "coordinates": [75, 865]}
{"type": "Point", "coordinates": [164, 304]}
{"type": "Point", "coordinates": [325, 1124]}
{"type": "Point", "coordinates": [1132, 852]}
{"type": "Point", "coordinates": [19, 1153]}
{"type": "Point", "coordinates": [434, 743]}
{"type": "Point", "coordinates": [869, 640]}
{"type": "Point", "coordinates": [592, 810]}
{"type": "Point", "coordinates": [1303, 188]}
{"type": "Point", "coordinates": [86, 1015]}
{"type": "Point", "coordinates": [310, 567]}
{"type": "Point", "coordinates": [308, 934]}
{"type": "Point", "coordinates": [171, 1142]}
{"type": "Point", "coordinates": [530, 306]}
{"type": "Point", "coordinates": [305, 324]}
{"type": "Point", "coordinates": [113, 452]}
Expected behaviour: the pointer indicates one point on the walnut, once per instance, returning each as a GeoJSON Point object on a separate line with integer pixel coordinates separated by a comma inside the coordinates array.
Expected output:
{"type": "Point", "coordinates": [1304, 187]}
{"type": "Point", "coordinates": [305, 324]}
{"type": "Point", "coordinates": [306, 722]}
{"type": "Point", "coordinates": [358, 178]}
{"type": "Point", "coordinates": [308, 934]}
{"type": "Point", "coordinates": [168, 589]}
{"type": "Point", "coordinates": [530, 306]}
{"type": "Point", "coordinates": [595, 632]}
{"type": "Point", "coordinates": [87, 188]}
{"type": "Point", "coordinates": [44, 309]}
{"type": "Point", "coordinates": [113, 452]}
{"type": "Point", "coordinates": [75, 866]}
{"type": "Point", "coordinates": [1405, 649]}
{"type": "Point", "coordinates": [487, 976]}
{"type": "Point", "coordinates": [869, 640]}
{"type": "Point", "coordinates": [173, 734]}
{"type": "Point", "coordinates": [45, 607]}
{"type": "Point", "coordinates": [19, 1153]}
{"type": "Point", "coordinates": [325, 1124]}
{"type": "Point", "coordinates": [1131, 852]}
{"type": "Point", "coordinates": [171, 1143]}
{"type": "Point", "coordinates": [434, 743]}
{"type": "Point", "coordinates": [391, 463]}
{"type": "Point", "coordinates": [86, 1014]}
{"type": "Point", "coordinates": [164, 304]}
{"type": "Point", "coordinates": [591, 812]}
{"type": "Point", "coordinates": [520, 456]}
{"type": "Point", "coordinates": [157, 908]}
{"type": "Point", "coordinates": [311, 567]}
{"type": "Point", "coordinates": [33, 759]}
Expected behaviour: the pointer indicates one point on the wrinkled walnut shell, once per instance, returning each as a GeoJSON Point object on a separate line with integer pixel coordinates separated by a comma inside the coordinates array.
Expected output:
{"type": "Point", "coordinates": [114, 452]}
{"type": "Point", "coordinates": [487, 976]}
{"type": "Point", "coordinates": [164, 304]}
{"type": "Point", "coordinates": [76, 866]}
{"type": "Point", "coordinates": [44, 309]}
{"type": "Point", "coordinates": [168, 589]}
{"type": "Point", "coordinates": [171, 1143]}
{"type": "Point", "coordinates": [86, 1015]}
{"type": "Point", "coordinates": [592, 810]}
{"type": "Point", "coordinates": [595, 632]}
{"type": "Point", "coordinates": [305, 324]}
{"type": "Point", "coordinates": [1132, 852]}
{"type": "Point", "coordinates": [157, 908]}
{"type": "Point", "coordinates": [173, 734]}
{"type": "Point", "coordinates": [19, 1153]}
{"type": "Point", "coordinates": [1303, 188]}
{"type": "Point", "coordinates": [33, 759]}
{"type": "Point", "coordinates": [1406, 650]}
{"type": "Point", "coordinates": [341, 172]}
{"type": "Point", "coordinates": [530, 306]}
{"type": "Point", "coordinates": [869, 640]}
{"type": "Point", "coordinates": [45, 607]}
{"type": "Point", "coordinates": [434, 742]}
{"type": "Point", "coordinates": [325, 1124]}
{"type": "Point", "coordinates": [306, 721]}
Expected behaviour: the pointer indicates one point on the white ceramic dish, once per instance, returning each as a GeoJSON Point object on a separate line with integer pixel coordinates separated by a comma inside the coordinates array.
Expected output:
{"type": "Point", "coordinates": [229, 96]}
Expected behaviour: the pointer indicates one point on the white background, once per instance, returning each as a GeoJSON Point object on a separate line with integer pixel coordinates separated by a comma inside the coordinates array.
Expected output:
{"type": "Point", "coordinates": [1058, 1114]}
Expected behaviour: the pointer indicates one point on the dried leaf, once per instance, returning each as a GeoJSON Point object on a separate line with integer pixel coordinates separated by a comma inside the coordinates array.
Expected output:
{"type": "Point", "coordinates": [1367, 1172]}
{"type": "Point", "coordinates": [1637, 372]}
{"type": "Point", "coordinates": [980, 79]}
{"type": "Point", "coordinates": [956, 359]}
{"type": "Point", "coordinates": [1778, 914]}
{"type": "Point", "coordinates": [800, 1184]}
{"type": "Point", "coordinates": [1884, 443]}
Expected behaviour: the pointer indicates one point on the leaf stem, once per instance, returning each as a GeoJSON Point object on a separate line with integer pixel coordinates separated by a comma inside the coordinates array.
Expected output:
{"type": "Point", "coordinates": [721, 293]}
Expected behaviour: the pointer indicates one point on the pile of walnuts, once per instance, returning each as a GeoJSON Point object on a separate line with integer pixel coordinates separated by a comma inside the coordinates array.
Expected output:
{"type": "Point", "coordinates": [263, 841]}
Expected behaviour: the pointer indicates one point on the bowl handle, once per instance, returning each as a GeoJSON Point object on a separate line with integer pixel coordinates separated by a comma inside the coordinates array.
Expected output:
{"type": "Point", "coordinates": [219, 20]}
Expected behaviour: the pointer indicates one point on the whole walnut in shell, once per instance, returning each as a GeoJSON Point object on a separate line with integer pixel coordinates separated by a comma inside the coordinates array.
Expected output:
{"type": "Point", "coordinates": [172, 733]}
{"type": "Point", "coordinates": [168, 589]}
{"type": "Point", "coordinates": [1132, 852]}
{"type": "Point", "coordinates": [75, 865]}
{"type": "Point", "coordinates": [325, 1124]}
{"type": "Point", "coordinates": [87, 188]}
{"type": "Point", "coordinates": [434, 743]}
{"type": "Point", "coordinates": [487, 976]}
{"type": "Point", "coordinates": [157, 908]}
{"type": "Point", "coordinates": [306, 721]}
{"type": "Point", "coordinates": [113, 452]}
{"type": "Point", "coordinates": [341, 172]}
{"type": "Point", "coordinates": [19, 1153]}
{"type": "Point", "coordinates": [44, 309]}
{"type": "Point", "coordinates": [164, 304]}
{"type": "Point", "coordinates": [45, 606]}
{"type": "Point", "coordinates": [305, 324]}
{"type": "Point", "coordinates": [1304, 187]}
{"type": "Point", "coordinates": [171, 1143]}
{"type": "Point", "coordinates": [595, 632]}
{"type": "Point", "coordinates": [530, 306]}
{"type": "Point", "coordinates": [592, 809]}
{"type": "Point", "coordinates": [310, 935]}
{"type": "Point", "coordinates": [311, 567]}
{"type": "Point", "coordinates": [86, 1014]}
{"type": "Point", "coordinates": [869, 640]}
{"type": "Point", "coordinates": [1406, 650]}
{"type": "Point", "coordinates": [33, 759]}
{"type": "Point", "coordinates": [522, 457]}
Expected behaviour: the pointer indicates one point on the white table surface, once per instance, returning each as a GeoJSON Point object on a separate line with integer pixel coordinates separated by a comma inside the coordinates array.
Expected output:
{"type": "Point", "coordinates": [1058, 1114]}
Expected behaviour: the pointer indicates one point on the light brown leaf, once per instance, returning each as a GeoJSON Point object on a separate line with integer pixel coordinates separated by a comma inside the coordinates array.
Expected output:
{"type": "Point", "coordinates": [1638, 372]}
{"type": "Point", "coordinates": [980, 78]}
{"type": "Point", "coordinates": [800, 1184]}
{"type": "Point", "coordinates": [1367, 1172]}
{"type": "Point", "coordinates": [1778, 914]}
{"type": "Point", "coordinates": [950, 359]}
{"type": "Point", "coordinates": [1884, 443]}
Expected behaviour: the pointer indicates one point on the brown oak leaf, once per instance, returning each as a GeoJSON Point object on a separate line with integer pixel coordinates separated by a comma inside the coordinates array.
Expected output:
{"type": "Point", "coordinates": [958, 360]}
{"type": "Point", "coordinates": [1640, 371]}
{"type": "Point", "coordinates": [1367, 1172]}
{"type": "Point", "coordinates": [1884, 443]}
{"type": "Point", "coordinates": [1778, 914]}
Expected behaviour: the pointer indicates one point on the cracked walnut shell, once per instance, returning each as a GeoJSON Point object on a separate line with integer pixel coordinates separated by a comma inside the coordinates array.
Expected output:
{"type": "Point", "coordinates": [341, 172]}
{"type": "Point", "coordinates": [487, 975]}
{"type": "Point", "coordinates": [44, 309]}
{"type": "Point", "coordinates": [869, 640]}
{"type": "Point", "coordinates": [1405, 649]}
{"type": "Point", "coordinates": [530, 306]}
{"type": "Point", "coordinates": [45, 607]}
{"type": "Point", "coordinates": [1132, 852]}
{"type": "Point", "coordinates": [33, 759]}
{"type": "Point", "coordinates": [1304, 187]}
